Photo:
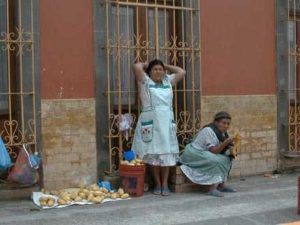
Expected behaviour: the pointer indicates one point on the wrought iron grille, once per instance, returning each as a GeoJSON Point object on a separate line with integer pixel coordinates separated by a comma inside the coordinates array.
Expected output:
{"type": "Point", "coordinates": [17, 75]}
{"type": "Point", "coordinates": [294, 76]}
{"type": "Point", "coordinates": [141, 30]}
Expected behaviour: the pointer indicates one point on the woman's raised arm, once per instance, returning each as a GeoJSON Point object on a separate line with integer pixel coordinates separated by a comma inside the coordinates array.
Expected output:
{"type": "Point", "coordinates": [138, 70]}
{"type": "Point", "coordinates": [177, 71]}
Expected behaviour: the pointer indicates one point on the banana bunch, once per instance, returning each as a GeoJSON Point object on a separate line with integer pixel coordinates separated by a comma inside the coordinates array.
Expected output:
{"type": "Point", "coordinates": [237, 143]}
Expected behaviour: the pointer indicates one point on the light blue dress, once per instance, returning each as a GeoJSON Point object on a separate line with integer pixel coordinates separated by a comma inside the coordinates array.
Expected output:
{"type": "Point", "coordinates": [202, 166]}
{"type": "Point", "coordinates": [155, 137]}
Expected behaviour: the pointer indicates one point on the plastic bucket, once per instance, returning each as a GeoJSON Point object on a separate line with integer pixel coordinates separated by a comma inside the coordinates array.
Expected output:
{"type": "Point", "coordinates": [133, 179]}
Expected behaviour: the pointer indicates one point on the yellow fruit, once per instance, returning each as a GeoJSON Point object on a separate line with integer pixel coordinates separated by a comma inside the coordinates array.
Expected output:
{"type": "Point", "coordinates": [124, 196]}
{"type": "Point", "coordinates": [85, 191]}
{"type": "Point", "coordinates": [50, 204]}
{"type": "Point", "coordinates": [61, 201]}
{"type": "Point", "coordinates": [114, 195]}
{"type": "Point", "coordinates": [67, 198]}
{"type": "Point", "coordinates": [82, 195]}
{"type": "Point", "coordinates": [43, 203]}
{"type": "Point", "coordinates": [90, 197]}
{"type": "Point", "coordinates": [104, 190]}
{"type": "Point", "coordinates": [121, 191]}
{"type": "Point", "coordinates": [98, 193]}
{"type": "Point", "coordinates": [78, 199]}
{"type": "Point", "coordinates": [74, 195]}
{"type": "Point", "coordinates": [97, 199]}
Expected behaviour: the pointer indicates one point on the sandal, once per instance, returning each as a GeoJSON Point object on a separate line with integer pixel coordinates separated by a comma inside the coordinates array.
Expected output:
{"type": "Point", "coordinates": [157, 191]}
{"type": "Point", "coordinates": [165, 191]}
{"type": "Point", "coordinates": [215, 193]}
{"type": "Point", "coordinates": [227, 189]}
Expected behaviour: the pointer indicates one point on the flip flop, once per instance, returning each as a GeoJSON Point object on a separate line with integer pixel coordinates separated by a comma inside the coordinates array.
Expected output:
{"type": "Point", "coordinates": [228, 190]}
{"type": "Point", "coordinates": [165, 192]}
{"type": "Point", "coordinates": [157, 191]}
{"type": "Point", "coordinates": [215, 193]}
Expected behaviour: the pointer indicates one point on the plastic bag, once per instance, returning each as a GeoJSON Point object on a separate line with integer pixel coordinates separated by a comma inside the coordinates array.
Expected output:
{"type": "Point", "coordinates": [34, 159]}
{"type": "Point", "coordinates": [23, 172]}
{"type": "Point", "coordinates": [5, 160]}
{"type": "Point", "coordinates": [125, 122]}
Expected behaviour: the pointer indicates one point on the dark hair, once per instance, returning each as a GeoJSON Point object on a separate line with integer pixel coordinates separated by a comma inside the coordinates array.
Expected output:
{"type": "Point", "coordinates": [154, 63]}
{"type": "Point", "coordinates": [222, 115]}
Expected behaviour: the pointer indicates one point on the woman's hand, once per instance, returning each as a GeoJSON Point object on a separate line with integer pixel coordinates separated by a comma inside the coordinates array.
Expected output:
{"type": "Point", "coordinates": [219, 148]}
{"type": "Point", "coordinates": [179, 72]}
{"type": "Point", "coordinates": [139, 70]}
{"type": "Point", "coordinates": [229, 140]}
{"type": "Point", "coordinates": [145, 65]}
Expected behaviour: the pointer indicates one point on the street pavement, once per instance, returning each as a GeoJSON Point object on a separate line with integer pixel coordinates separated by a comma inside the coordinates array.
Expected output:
{"type": "Point", "coordinates": [259, 201]}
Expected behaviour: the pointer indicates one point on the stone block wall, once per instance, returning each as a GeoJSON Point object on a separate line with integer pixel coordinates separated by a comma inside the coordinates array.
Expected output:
{"type": "Point", "coordinates": [255, 118]}
{"type": "Point", "coordinates": [68, 142]}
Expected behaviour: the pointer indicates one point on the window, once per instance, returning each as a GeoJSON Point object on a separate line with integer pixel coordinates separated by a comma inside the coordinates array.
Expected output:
{"type": "Point", "coordinates": [18, 77]}
{"type": "Point", "coordinates": [129, 31]}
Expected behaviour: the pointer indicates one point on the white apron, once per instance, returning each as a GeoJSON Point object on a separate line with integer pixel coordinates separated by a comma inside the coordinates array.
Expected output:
{"type": "Point", "coordinates": [155, 132]}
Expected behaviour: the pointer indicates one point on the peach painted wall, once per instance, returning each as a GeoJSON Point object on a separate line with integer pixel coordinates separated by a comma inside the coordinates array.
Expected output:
{"type": "Point", "coordinates": [67, 61]}
{"type": "Point", "coordinates": [238, 47]}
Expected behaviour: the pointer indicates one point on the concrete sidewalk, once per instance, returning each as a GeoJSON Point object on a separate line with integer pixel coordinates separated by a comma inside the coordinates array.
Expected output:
{"type": "Point", "coordinates": [259, 201]}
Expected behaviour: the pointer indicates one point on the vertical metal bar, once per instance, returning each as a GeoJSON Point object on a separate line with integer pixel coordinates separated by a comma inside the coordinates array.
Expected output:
{"type": "Point", "coordinates": [130, 91]}
{"type": "Point", "coordinates": [156, 31]}
{"type": "Point", "coordinates": [175, 44]}
{"type": "Point", "coordinates": [9, 42]}
{"type": "Point", "coordinates": [33, 76]}
{"type": "Point", "coordinates": [137, 47]}
{"type": "Point", "coordinates": [289, 74]}
{"type": "Point", "coordinates": [183, 64]}
{"type": "Point", "coordinates": [128, 61]}
{"type": "Point", "coordinates": [147, 33]}
{"type": "Point", "coordinates": [119, 78]}
{"type": "Point", "coordinates": [295, 75]}
{"type": "Point", "coordinates": [193, 68]}
{"type": "Point", "coordinates": [165, 33]}
{"type": "Point", "coordinates": [20, 45]}
{"type": "Point", "coordinates": [108, 85]}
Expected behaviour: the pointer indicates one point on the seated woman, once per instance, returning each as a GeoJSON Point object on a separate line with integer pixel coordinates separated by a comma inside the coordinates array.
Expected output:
{"type": "Point", "coordinates": [207, 160]}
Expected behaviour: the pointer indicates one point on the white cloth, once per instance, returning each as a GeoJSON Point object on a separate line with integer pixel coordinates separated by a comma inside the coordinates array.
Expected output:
{"type": "Point", "coordinates": [155, 132]}
{"type": "Point", "coordinates": [37, 195]}
{"type": "Point", "coordinates": [161, 160]}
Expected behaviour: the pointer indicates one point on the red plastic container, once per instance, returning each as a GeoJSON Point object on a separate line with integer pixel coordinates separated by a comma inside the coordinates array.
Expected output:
{"type": "Point", "coordinates": [133, 179]}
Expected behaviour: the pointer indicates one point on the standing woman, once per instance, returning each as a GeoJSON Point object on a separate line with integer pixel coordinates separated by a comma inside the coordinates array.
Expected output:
{"type": "Point", "coordinates": [155, 137]}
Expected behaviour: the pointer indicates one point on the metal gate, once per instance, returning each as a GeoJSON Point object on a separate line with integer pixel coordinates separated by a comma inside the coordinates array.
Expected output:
{"type": "Point", "coordinates": [17, 75]}
{"type": "Point", "coordinates": [138, 31]}
{"type": "Point", "coordinates": [294, 76]}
